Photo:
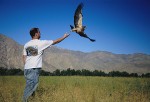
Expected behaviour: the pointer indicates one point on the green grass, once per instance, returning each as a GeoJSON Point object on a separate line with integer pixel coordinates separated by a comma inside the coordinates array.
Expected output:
{"type": "Point", "coordinates": [77, 89]}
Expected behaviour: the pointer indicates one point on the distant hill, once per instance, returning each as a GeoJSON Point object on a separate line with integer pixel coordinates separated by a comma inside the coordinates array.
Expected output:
{"type": "Point", "coordinates": [58, 58]}
{"type": "Point", "coordinates": [10, 53]}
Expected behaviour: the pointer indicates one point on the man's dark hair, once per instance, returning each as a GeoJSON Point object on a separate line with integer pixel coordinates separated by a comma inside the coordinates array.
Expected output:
{"type": "Point", "coordinates": [33, 31]}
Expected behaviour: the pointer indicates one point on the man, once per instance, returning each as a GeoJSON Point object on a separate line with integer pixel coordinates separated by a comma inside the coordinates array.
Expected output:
{"type": "Point", "coordinates": [32, 59]}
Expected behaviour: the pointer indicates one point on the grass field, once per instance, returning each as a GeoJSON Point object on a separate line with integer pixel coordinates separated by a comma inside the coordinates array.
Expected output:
{"type": "Point", "coordinates": [77, 89]}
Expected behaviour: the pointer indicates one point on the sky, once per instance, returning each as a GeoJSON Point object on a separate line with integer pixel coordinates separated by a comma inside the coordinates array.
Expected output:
{"type": "Point", "coordinates": [118, 26]}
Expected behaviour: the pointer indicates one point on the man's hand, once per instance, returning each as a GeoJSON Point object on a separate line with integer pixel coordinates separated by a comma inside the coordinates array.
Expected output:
{"type": "Point", "coordinates": [66, 35]}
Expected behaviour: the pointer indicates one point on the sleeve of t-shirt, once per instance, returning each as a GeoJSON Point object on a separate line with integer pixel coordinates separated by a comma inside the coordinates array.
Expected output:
{"type": "Point", "coordinates": [24, 51]}
{"type": "Point", "coordinates": [45, 44]}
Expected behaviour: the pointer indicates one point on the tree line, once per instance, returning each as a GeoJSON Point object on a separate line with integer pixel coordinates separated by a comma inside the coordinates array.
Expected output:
{"type": "Point", "coordinates": [72, 72]}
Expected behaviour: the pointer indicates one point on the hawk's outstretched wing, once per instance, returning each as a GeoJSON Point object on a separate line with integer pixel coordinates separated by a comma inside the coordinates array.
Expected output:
{"type": "Point", "coordinates": [78, 16]}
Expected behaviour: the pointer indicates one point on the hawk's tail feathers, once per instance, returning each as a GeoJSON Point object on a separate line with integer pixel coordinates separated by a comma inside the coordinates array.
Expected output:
{"type": "Point", "coordinates": [92, 40]}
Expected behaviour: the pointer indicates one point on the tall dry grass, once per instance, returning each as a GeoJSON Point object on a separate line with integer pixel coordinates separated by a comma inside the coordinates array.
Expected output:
{"type": "Point", "coordinates": [77, 89]}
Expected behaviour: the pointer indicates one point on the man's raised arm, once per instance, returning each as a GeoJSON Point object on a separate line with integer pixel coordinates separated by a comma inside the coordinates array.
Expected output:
{"type": "Point", "coordinates": [60, 39]}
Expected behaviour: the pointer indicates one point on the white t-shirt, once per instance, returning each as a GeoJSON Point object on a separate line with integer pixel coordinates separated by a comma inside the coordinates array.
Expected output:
{"type": "Point", "coordinates": [34, 50]}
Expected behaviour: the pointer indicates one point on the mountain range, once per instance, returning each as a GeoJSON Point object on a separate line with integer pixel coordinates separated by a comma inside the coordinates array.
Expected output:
{"type": "Point", "coordinates": [59, 58]}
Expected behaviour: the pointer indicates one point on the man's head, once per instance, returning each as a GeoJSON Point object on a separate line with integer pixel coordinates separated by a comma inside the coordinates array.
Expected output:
{"type": "Point", "coordinates": [35, 33]}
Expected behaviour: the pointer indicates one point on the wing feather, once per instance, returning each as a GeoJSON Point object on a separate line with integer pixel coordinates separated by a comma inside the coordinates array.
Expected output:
{"type": "Point", "coordinates": [78, 16]}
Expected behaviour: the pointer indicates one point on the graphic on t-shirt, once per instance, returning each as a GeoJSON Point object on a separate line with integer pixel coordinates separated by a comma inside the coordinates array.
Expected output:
{"type": "Point", "coordinates": [32, 51]}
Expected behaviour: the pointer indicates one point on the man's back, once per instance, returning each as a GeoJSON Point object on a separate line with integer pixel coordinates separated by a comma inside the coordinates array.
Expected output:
{"type": "Point", "coordinates": [34, 50]}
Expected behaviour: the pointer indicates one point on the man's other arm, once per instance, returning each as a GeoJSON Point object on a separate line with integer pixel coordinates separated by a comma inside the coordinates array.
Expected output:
{"type": "Point", "coordinates": [24, 59]}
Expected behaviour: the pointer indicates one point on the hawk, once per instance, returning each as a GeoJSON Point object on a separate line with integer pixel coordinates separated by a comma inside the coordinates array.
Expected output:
{"type": "Point", "coordinates": [79, 28]}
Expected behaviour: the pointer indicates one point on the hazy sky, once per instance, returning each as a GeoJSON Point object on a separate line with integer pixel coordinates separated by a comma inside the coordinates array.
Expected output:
{"type": "Point", "coordinates": [119, 26]}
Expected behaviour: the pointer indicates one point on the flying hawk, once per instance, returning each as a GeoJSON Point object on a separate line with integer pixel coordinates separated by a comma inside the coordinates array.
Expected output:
{"type": "Point", "coordinates": [78, 23]}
